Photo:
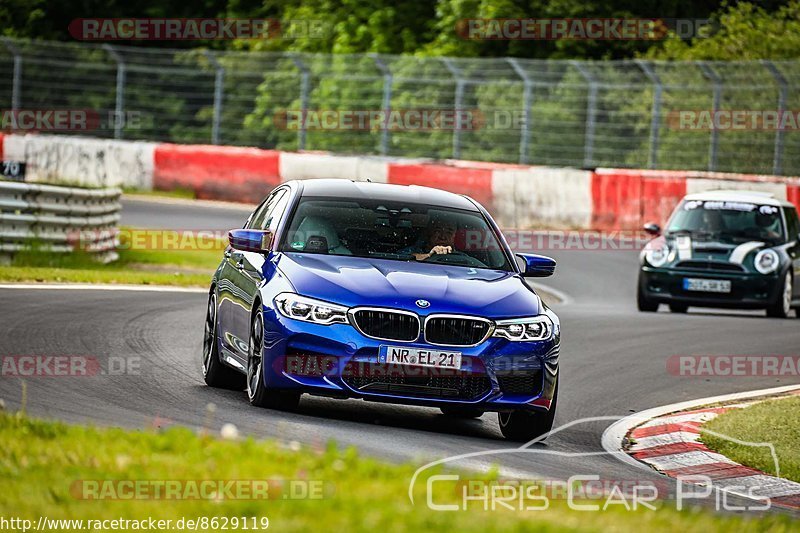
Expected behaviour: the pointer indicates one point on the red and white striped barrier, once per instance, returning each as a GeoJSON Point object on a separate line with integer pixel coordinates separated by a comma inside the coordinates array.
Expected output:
{"type": "Point", "coordinates": [519, 196]}
{"type": "Point", "coordinates": [671, 444]}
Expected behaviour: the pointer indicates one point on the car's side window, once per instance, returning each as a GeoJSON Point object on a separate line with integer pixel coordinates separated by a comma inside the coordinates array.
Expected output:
{"type": "Point", "coordinates": [263, 213]}
{"type": "Point", "coordinates": [276, 213]}
{"type": "Point", "coordinates": [792, 223]}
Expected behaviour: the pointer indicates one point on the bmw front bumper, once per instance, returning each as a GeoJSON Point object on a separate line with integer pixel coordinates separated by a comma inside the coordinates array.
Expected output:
{"type": "Point", "coordinates": [338, 361]}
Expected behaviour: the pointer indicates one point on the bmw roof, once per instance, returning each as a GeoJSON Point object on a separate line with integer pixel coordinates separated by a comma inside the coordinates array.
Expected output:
{"type": "Point", "coordinates": [415, 194]}
{"type": "Point", "coordinates": [752, 197]}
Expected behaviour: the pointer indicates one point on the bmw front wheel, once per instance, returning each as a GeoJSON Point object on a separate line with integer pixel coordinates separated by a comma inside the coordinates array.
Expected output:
{"type": "Point", "coordinates": [524, 426]}
{"type": "Point", "coordinates": [257, 392]}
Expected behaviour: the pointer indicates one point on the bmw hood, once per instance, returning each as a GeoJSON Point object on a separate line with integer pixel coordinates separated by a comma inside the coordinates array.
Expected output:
{"type": "Point", "coordinates": [356, 281]}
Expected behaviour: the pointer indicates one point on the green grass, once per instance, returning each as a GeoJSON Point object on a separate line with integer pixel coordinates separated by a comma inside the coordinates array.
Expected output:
{"type": "Point", "coordinates": [774, 421]}
{"type": "Point", "coordinates": [185, 194]}
{"type": "Point", "coordinates": [43, 462]}
{"type": "Point", "coordinates": [187, 268]}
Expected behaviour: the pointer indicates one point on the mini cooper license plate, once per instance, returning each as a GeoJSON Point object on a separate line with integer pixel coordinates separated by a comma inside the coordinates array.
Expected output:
{"type": "Point", "coordinates": [707, 285]}
{"type": "Point", "coordinates": [398, 355]}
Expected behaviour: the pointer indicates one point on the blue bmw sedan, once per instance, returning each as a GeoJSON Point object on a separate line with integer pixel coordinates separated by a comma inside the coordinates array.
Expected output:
{"type": "Point", "coordinates": [388, 293]}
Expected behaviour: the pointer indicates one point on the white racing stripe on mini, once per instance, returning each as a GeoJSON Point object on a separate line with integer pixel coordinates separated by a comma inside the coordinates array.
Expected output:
{"type": "Point", "coordinates": [681, 419]}
{"type": "Point", "coordinates": [682, 460]}
{"type": "Point", "coordinates": [759, 485]}
{"type": "Point", "coordinates": [676, 437]}
{"type": "Point", "coordinates": [740, 252]}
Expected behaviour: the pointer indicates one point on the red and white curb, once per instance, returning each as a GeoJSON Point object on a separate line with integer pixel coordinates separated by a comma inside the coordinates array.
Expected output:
{"type": "Point", "coordinates": [667, 439]}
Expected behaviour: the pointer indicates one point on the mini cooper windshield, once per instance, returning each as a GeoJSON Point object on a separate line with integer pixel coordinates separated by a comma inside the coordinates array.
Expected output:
{"type": "Point", "coordinates": [395, 231]}
{"type": "Point", "coordinates": [727, 220]}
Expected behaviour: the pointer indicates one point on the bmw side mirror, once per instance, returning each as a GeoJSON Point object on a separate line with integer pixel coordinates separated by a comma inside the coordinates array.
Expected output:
{"type": "Point", "coordinates": [536, 266]}
{"type": "Point", "coordinates": [250, 240]}
{"type": "Point", "coordinates": [653, 229]}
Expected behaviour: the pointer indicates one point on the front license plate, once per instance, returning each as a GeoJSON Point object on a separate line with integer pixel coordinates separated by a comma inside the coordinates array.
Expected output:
{"type": "Point", "coordinates": [400, 355]}
{"type": "Point", "coordinates": [706, 285]}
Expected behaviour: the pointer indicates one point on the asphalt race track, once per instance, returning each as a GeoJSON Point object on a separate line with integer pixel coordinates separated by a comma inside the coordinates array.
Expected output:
{"type": "Point", "coordinates": [613, 363]}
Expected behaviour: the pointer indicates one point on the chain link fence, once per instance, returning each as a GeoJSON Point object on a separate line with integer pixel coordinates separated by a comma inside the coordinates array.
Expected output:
{"type": "Point", "coordinates": [644, 114]}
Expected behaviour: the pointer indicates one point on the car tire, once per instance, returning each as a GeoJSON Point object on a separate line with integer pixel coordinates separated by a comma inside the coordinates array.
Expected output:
{"type": "Point", "coordinates": [524, 426]}
{"type": "Point", "coordinates": [783, 306]}
{"type": "Point", "coordinates": [678, 308]}
{"type": "Point", "coordinates": [643, 303]}
{"type": "Point", "coordinates": [462, 412]}
{"type": "Point", "coordinates": [257, 392]}
{"type": "Point", "coordinates": [215, 372]}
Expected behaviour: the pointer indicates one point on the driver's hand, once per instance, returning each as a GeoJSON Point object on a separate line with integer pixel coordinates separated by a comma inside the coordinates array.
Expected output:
{"type": "Point", "coordinates": [436, 250]}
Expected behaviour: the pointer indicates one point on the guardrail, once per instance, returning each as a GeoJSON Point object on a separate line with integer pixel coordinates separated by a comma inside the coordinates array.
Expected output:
{"type": "Point", "coordinates": [59, 219]}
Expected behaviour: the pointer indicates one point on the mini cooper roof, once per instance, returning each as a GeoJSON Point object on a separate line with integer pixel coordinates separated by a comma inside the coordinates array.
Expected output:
{"type": "Point", "coordinates": [752, 197]}
{"type": "Point", "coordinates": [362, 190]}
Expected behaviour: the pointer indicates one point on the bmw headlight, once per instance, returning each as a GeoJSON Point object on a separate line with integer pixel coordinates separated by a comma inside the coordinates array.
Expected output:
{"type": "Point", "coordinates": [307, 309]}
{"type": "Point", "coordinates": [658, 255]}
{"type": "Point", "coordinates": [536, 328]}
{"type": "Point", "coordinates": [767, 261]}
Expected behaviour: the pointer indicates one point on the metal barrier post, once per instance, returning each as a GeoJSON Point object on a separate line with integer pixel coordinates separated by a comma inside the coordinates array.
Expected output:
{"type": "Point", "coordinates": [717, 83]}
{"type": "Point", "coordinates": [783, 89]}
{"type": "Point", "coordinates": [219, 80]}
{"type": "Point", "coordinates": [527, 97]}
{"type": "Point", "coordinates": [16, 83]}
{"type": "Point", "coordinates": [655, 116]}
{"type": "Point", "coordinates": [591, 112]}
{"type": "Point", "coordinates": [386, 102]}
{"type": "Point", "coordinates": [119, 119]}
{"type": "Point", "coordinates": [459, 97]}
{"type": "Point", "coordinates": [304, 89]}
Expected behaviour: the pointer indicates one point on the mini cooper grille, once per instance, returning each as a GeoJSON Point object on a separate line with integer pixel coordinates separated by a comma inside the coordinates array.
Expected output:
{"type": "Point", "coordinates": [387, 324]}
{"type": "Point", "coordinates": [710, 265]}
{"type": "Point", "coordinates": [423, 383]}
{"type": "Point", "coordinates": [520, 383]}
{"type": "Point", "coordinates": [455, 331]}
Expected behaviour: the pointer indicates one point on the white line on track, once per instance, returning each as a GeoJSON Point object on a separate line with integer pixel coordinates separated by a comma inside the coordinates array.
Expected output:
{"type": "Point", "coordinates": [102, 287]}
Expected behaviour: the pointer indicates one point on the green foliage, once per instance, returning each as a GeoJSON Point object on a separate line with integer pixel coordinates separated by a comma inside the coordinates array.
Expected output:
{"type": "Point", "coordinates": [745, 31]}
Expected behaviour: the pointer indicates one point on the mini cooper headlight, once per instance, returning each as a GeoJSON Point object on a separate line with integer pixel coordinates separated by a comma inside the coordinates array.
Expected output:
{"type": "Point", "coordinates": [767, 261]}
{"type": "Point", "coordinates": [657, 256]}
{"type": "Point", "coordinates": [306, 309]}
{"type": "Point", "coordinates": [536, 328]}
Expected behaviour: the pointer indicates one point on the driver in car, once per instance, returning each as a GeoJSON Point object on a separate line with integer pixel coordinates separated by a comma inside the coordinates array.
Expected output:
{"type": "Point", "coordinates": [439, 239]}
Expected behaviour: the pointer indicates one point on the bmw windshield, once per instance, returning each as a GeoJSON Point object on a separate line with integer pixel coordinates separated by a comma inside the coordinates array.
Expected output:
{"type": "Point", "coordinates": [395, 231]}
{"type": "Point", "coordinates": [727, 220]}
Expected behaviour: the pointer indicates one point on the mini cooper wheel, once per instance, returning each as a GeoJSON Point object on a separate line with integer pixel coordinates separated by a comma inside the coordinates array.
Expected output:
{"type": "Point", "coordinates": [257, 391]}
{"type": "Point", "coordinates": [524, 426]}
{"type": "Point", "coordinates": [782, 307]}
{"type": "Point", "coordinates": [215, 373]}
{"type": "Point", "coordinates": [678, 308]}
{"type": "Point", "coordinates": [643, 303]}
{"type": "Point", "coordinates": [462, 412]}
